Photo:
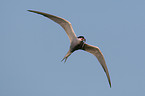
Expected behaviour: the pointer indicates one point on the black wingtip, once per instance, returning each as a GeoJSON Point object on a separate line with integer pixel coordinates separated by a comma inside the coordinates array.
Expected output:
{"type": "Point", "coordinates": [110, 84]}
{"type": "Point", "coordinates": [30, 10]}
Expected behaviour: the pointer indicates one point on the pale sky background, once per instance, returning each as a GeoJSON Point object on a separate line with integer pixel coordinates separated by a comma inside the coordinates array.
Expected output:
{"type": "Point", "coordinates": [32, 47]}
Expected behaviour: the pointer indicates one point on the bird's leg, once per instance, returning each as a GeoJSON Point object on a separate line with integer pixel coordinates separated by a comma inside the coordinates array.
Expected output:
{"type": "Point", "coordinates": [66, 56]}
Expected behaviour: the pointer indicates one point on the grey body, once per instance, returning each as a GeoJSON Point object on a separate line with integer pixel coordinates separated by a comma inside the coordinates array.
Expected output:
{"type": "Point", "coordinates": [77, 43]}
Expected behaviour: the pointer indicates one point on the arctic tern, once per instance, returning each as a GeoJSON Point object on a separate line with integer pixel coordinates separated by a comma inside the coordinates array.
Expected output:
{"type": "Point", "coordinates": [77, 43]}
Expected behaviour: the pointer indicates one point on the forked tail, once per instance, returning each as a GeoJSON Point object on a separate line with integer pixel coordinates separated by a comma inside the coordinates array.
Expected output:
{"type": "Point", "coordinates": [66, 56]}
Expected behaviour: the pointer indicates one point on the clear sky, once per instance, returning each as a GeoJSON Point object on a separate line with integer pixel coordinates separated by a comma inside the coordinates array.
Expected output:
{"type": "Point", "coordinates": [32, 47]}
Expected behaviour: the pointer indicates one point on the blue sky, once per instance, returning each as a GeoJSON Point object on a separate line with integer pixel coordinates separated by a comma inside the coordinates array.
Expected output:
{"type": "Point", "coordinates": [32, 47]}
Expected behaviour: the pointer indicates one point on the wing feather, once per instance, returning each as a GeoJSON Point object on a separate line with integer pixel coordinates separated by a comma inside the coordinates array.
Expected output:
{"type": "Point", "coordinates": [66, 25]}
{"type": "Point", "coordinates": [96, 52]}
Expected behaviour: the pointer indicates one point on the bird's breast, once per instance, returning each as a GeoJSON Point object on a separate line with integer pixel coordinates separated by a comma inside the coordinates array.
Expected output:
{"type": "Point", "coordinates": [76, 46]}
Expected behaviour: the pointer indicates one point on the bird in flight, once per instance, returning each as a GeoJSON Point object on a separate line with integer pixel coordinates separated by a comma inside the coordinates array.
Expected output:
{"type": "Point", "coordinates": [77, 43]}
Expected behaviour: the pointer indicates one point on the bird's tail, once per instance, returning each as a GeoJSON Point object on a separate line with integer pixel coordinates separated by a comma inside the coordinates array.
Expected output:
{"type": "Point", "coordinates": [66, 56]}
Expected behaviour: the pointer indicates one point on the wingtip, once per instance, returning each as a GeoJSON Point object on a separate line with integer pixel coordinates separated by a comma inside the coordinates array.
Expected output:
{"type": "Point", "coordinates": [30, 10]}
{"type": "Point", "coordinates": [110, 84]}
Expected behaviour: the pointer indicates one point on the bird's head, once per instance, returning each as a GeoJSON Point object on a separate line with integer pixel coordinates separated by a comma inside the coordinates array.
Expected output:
{"type": "Point", "coordinates": [82, 38]}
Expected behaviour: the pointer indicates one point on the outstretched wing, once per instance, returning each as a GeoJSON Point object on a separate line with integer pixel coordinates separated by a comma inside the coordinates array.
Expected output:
{"type": "Point", "coordinates": [66, 25]}
{"type": "Point", "coordinates": [96, 52]}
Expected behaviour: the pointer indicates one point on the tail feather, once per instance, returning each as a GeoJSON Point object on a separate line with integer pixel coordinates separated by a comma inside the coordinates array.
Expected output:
{"type": "Point", "coordinates": [66, 56]}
